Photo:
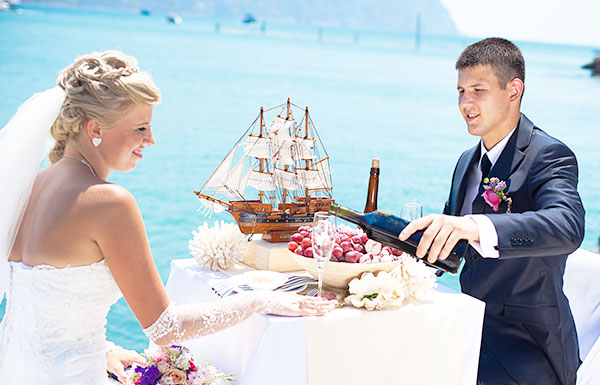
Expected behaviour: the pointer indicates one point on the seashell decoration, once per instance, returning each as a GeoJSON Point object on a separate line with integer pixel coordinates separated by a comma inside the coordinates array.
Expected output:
{"type": "Point", "coordinates": [412, 281]}
{"type": "Point", "coordinates": [375, 291]}
{"type": "Point", "coordinates": [219, 247]}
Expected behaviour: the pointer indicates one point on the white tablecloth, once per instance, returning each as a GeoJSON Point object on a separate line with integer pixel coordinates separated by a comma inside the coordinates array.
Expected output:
{"type": "Point", "coordinates": [436, 343]}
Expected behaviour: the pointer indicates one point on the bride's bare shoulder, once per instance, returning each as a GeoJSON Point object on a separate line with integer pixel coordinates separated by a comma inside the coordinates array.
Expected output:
{"type": "Point", "coordinates": [108, 199]}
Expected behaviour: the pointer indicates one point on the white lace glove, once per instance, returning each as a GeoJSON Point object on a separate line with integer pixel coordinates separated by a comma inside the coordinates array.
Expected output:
{"type": "Point", "coordinates": [111, 346]}
{"type": "Point", "coordinates": [118, 359]}
{"type": "Point", "coordinates": [184, 322]}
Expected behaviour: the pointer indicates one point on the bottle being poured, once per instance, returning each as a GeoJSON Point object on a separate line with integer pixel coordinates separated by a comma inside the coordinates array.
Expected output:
{"type": "Point", "coordinates": [384, 228]}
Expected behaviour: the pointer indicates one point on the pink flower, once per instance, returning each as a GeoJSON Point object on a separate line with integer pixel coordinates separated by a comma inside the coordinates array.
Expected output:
{"type": "Point", "coordinates": [178, 377]}
{"type": "Point", "coordinates": [162, 366]}
{"type": "Point", "coordinates": [492, 199]}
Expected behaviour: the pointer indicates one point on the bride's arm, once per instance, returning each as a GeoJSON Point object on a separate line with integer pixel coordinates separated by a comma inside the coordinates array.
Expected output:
{"type": "Point", "coordinates": [122, 239]}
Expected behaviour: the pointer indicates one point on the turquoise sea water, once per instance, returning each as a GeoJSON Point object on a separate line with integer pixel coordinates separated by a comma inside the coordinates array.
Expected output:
{"type": "Point", "coordinates": [377, 97]}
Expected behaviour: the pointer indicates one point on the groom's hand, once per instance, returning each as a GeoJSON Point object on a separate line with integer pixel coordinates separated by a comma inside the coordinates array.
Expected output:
{"type": "Point", "coordinates": [441, 234]}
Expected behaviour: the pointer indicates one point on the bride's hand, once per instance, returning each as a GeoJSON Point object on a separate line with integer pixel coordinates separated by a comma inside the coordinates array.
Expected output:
{"type": "Point", "coordinates": [117, 360]}
{"type": "Point", "coordinates": [289, 304]}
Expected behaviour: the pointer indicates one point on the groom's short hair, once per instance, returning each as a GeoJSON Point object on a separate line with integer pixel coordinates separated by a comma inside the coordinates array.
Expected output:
{"type": "Point", "coordinates": [505, 58]}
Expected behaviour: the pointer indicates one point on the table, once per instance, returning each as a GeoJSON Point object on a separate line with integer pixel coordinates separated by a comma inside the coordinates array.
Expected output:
{"type": "Point", "coordinates": [435, 343]}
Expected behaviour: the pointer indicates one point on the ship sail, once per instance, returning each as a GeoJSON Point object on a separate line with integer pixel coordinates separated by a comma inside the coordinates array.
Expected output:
{"type": "Point", "coordinates": [281, 142]}
{"type": "Point", "coordinates": [317, 177]}
{"type": "Point", "coordinates": [233, 184]}
{"type": "Point", "coordinates": [244, 182]}
{"type": "Point", "coordinates": [219, 176]}
{"type": "Point", "coordinates": [257, 147]}
{"type": "Point", "coordinates": [262, 181]}
{"type": "Point", "coordinates": [279, 124]}
{"type": "Point", "coordinates": [324, 178]}
{"type": "Point", "coordinates": [285, 179]}
{"type": "Point", "coordinates": [305, 148]}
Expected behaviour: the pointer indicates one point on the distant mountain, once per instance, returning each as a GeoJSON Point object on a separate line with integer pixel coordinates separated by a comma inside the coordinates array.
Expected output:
{"type": "Point", "coordinates": [389, 15]}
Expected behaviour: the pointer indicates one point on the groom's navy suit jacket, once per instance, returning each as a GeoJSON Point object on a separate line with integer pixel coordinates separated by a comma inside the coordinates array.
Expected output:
{"type": "Point", "coordinates": [529, 335]}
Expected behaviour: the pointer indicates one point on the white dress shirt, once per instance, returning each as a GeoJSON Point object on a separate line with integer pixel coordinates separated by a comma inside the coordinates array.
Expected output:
{"type": "Point", "coordinates": [488, 238]}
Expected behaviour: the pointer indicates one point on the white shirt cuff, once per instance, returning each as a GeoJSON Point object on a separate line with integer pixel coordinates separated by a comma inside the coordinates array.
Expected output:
{"type": "Point", "coordinates": [487, 246]}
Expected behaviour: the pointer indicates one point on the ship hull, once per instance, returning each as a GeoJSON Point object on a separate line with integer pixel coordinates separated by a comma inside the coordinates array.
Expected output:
{"type": "Point", "coordinates": [254, 217]}
{"type": "Point", "coordinates": [260, 223]}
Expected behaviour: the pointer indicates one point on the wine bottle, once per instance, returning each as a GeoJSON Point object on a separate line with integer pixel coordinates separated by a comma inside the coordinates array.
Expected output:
{"type": "Point", "coordinates": [384, 228]}
{"type": "Point", "coordinates": [371, 204]}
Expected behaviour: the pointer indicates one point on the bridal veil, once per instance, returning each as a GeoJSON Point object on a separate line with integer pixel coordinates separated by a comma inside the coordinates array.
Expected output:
{"type": "Point", "coordinates": [22, 149]}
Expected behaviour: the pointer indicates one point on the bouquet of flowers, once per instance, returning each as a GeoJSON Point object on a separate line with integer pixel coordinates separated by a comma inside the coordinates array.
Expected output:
{"type": "Point", "coordinates": [175, 365]}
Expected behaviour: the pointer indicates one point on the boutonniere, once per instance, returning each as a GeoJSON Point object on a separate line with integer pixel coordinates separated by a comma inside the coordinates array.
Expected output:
{"type": "Point", "coordinates": [494, 193]}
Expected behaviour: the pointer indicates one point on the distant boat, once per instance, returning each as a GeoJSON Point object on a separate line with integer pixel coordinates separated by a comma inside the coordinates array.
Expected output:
{"type": "Point", "coordinates": [145, 12]}
{"type": "Point", "coordinates": [174, 19]}
{"type": "Point", "coordinates": [9, 5]}
{"type": "Point", "coordinates": [249, 18]}
{"type": "Point", "coordinates": [594, 66]}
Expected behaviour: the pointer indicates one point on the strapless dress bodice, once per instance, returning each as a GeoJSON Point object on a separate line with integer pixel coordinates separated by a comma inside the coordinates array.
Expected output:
{"type": "Point", "coordinates": [54, 326]}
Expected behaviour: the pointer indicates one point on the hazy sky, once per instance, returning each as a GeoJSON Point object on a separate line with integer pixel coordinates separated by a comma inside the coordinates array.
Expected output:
{"type": "Point", "coordinates": [556, 21]}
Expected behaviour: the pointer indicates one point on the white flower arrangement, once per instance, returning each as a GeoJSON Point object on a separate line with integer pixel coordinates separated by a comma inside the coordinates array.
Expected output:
{"type": "Point", "coordinates": [410, 282]}
{"type": "Point", "coordinates": [218, 247]}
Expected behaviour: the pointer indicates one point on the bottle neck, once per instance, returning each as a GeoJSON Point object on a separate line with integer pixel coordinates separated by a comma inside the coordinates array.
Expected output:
{"type": "Point", "coordinates": [347, 214]}
{"type": "Point", "coordinates": [372, 191]}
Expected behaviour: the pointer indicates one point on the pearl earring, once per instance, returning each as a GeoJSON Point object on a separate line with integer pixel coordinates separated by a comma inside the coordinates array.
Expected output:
{"type": "Point", "coordinates": [96, 141]}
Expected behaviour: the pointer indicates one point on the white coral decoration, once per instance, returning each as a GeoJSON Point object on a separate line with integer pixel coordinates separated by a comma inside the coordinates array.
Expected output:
{"type": "Point", "coordinates": [411, 281]}
{"type": "Point", "coordinates": [218, 247]}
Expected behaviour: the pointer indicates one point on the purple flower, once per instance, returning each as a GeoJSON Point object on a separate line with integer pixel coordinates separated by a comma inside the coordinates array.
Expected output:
{"type": "Point", "coordinates": [150, 375]}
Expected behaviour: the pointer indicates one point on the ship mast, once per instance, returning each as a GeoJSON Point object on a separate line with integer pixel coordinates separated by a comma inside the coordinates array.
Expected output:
{"type": "Point", "coordinates": [260, 192]}
{"type": "Point", "coordinates": [285, 194]}
{"type": "Point", "coordinates": [307, 161]}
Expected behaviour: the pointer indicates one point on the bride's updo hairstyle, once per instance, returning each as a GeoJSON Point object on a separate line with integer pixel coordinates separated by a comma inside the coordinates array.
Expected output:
{"type": "Point", "coordinates": [102, 86]}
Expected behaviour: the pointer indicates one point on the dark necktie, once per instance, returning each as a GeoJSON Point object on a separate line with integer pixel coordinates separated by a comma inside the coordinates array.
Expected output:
{"type": "Point", "coordinates": [486, 165]}
{"type": "Point", "coordinates": [478, 202]}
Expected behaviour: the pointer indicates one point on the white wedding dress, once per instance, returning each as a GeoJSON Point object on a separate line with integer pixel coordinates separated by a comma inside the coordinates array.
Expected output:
{"type": "Point", "coordinates": [53, 332]}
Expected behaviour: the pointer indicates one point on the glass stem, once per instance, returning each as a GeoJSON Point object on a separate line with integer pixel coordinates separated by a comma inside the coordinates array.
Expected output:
{"type": "Point", "coordinates": [319, 294]}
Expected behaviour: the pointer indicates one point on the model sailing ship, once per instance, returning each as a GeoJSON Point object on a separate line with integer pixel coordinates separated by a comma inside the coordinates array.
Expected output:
{"type": "Point", "coordinates": [279, 179]}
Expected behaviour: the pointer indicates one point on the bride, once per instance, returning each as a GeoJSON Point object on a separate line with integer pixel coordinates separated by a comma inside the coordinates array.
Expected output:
{"type": "Point", "coordinates": [71, 243]}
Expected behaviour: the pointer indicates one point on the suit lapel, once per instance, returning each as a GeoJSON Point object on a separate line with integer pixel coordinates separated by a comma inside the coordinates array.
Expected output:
{"type": "Point", "coordinates": [459, 184]}
{"type": "Point", "coordinates": [509, 160]}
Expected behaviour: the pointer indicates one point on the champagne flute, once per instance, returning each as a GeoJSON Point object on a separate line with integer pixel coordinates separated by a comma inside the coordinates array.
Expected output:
{"type": "Point", "coordinates": [323, 241]}
{"type": "Point", "coordinates": [411, 211]}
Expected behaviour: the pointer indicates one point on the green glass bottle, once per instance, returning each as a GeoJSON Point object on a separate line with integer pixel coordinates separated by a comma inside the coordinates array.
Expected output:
{"type": "Point", "coordinates": [384, 228]}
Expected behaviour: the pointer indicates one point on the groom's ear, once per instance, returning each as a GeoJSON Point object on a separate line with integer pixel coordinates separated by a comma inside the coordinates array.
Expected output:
{"type": "Point", "coordinates": [92, 129]}
{"type": "Point", "coordinates": [516, 87]}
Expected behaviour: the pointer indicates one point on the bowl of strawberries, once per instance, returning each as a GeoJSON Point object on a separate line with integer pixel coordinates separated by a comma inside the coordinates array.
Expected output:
{"type": "Point", "coordinates": [353, 254]}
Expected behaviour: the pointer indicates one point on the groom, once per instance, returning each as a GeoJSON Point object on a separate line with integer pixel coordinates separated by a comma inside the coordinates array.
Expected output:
{"type": "Point", "coordinates": [519, 244]}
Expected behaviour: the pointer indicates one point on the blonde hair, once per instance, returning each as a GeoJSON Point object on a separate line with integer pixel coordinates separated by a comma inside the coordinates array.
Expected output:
{"type": "Point", "coordinates": [102, 86]}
